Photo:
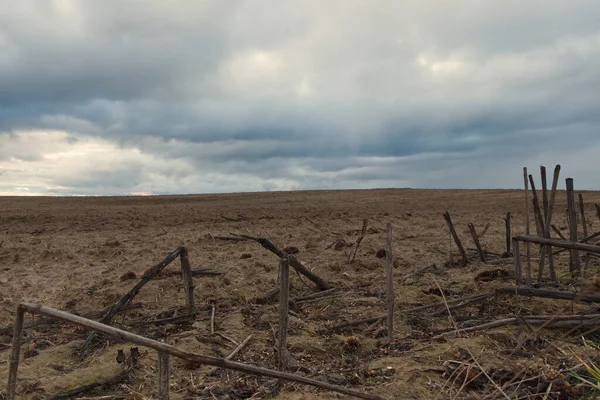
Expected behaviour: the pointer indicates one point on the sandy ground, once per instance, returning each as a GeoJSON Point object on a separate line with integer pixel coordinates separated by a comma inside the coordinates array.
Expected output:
{"type": "Point", "coordinates": [70, 253]}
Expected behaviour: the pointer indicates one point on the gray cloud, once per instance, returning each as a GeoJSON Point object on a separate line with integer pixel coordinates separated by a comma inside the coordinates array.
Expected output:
{"type": "Point", "coordinates": [192, 97]}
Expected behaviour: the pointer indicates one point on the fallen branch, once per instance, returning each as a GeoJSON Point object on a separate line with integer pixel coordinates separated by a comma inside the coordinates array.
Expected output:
{"type": "Point", "coordinates": [128, 298]}
{"type": "Point", "coordinates": [172, 350]}
{"type": "Point", "coordinates": [232, 354]}
{"type": "Point", "coordinates": [455, 303]}
{"type": "Point", "coordinates": [294, 262]}
{"type": "Point", "coordinates": [363, 232]}
{"type": "Point", "coordinates": [551, 294]}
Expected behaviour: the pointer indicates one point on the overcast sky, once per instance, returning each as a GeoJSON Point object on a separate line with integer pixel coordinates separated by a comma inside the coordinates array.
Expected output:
{"type": "Point", "coordinates": [122, 97]}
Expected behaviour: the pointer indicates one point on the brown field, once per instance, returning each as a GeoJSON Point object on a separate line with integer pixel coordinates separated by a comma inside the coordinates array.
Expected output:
{"type": "Point", "coordinates": [69, 253]}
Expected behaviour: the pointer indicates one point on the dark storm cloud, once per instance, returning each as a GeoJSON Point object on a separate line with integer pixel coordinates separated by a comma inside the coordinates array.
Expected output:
{"type": "Point", "coordinates": [224, 96]}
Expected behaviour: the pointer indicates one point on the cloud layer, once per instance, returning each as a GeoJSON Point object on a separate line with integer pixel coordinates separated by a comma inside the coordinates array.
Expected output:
{"type": "Point", "coordinates": [119, 97]}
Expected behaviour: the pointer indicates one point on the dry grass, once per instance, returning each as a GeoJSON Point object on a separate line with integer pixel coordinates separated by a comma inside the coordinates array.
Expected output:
{"type": "Point", "coordinates": [70, 253]}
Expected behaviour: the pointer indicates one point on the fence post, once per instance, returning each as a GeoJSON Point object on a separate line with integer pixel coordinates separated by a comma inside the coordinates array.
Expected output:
{"type": "Point", "coordinates": [164, 372]}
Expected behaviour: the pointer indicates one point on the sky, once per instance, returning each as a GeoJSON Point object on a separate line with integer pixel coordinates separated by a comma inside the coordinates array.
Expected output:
{"type": "Point", "coordinates": [153, 97]}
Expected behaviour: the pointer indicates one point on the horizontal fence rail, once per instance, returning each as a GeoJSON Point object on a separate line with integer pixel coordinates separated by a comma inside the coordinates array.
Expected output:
{"type": "Point", "coordinates": [162, 348]}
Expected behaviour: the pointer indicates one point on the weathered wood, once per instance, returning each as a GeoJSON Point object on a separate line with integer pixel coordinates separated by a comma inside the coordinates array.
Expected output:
{"type": "Point", "coordinates": [239, 347]}
{"type": "Point", "coordinates": [476, 241]}
{"type": "Point", "coordinates": [363, 233]}
{"type": "Point", "coordinates": [517, 261]}
{"type": "Point", "coordinates": [294, 262]}
{"type": "Point", "coordinates": [574, 258]}
{"type": "Point", "coordinates": [183, 354]}
{"type": "Point", "coordinates": [527, 226]}
{"type": "Point", "coordinates": [584, 240]}
{"type": "Point", "coordinates": [549, 209]}
{"type": "Point", "coordinates": [582, 211]}
{"type": "Point", "coordinates": [536, 208]}
{"type": "Point", "coordinates": [164, 373]}
{"type": "Point", "coordinates": [508, 235]}
{"type": "Point", "coordinates": [188, 281]}
{"type": "Point", "coordinates": [11, 389]}
{"type": "Point", "coordinates": [560, 243]}
{"type": "Point", "coordinates": [390, 283]}
{"type": "Point", "coordinates": [551, 294]}
{"type": "Point", "coordinates": [558, 232]}
{"type": "Point", "coordinates": [128, 298]}
{"type": "Point", "coordinates": [442, 304]}
{"type": "Point", "coordinates": [212, 320]}
{"type": "Point", "coordinates": [284, 295]}
{"type": "Point", "coordinates": [461, 249]}
{"type": "Point", "coordinates": [74, 393]}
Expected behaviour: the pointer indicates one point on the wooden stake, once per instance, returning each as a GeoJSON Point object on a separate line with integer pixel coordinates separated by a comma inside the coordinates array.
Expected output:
{"type": "Point", "coordinates": [284, 294]}
{"type": "Point", "coordinates": [582, 211]}
{"type": "Point", "coordinates": [461, 249]}
{"type": "Point", "coordinates": [517, 261]}
{"type": "Point", "coordinates": [527, 227]}
{"type": "Point", "coordinates": [558, 232]}
{"type": "Point", "coordinates": [232, 354]}
{"type": "Point", "coordinates": [547, 226]}
{"type": "Point", "coordinates": [11, 389]}
{"type": "Point", "coordinates": [164, 373]}
{"type": "Point", "coordinates": [212, 320]}
{"type": "Point", "coordinates": [188, 281]}
{"type": "Point", "coordinates": [574, 262]}
{"type": "Point", "coordinates": [476, 241]}
{"type": "Point", "coordinates": [390, 284]}
{"type": "Point", "coordinates": [544, 191]}
{"type": "Point", "coordinates": [536, 209]}
{"type": "Point", "coordinates": [561, 243]}
{"type": "Point", "coordinates": [508, 237]}
{"type": "Point", "coordinates": [180, 353]}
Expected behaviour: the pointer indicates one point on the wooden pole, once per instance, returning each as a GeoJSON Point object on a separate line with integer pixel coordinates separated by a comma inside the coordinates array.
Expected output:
{"type": "Point", "coordinates": [188, 281]}
{"type": "Point", "coordinates": [547, 227]}
{"type": "Point", "coordinates": [574, 262]}
{"type": "Point", "coordinates": [476, 240]}
{"type": "Point", "coordinates": [164, 373]}
{"type": "Point", "coordinates": [517, 261]}
{"type": "Point", "coordinates": [536, 208]}
{"type": "Point", "coordinates": [508, 236]}
{"type": "Point", "coordinates": [284, 295]}
{"type": "Point", "coordinates": [527, 226]}
{"type": "Point", "coordinates": [184, 354]}
{"type": "Point", "coordinates": [390, 284]}
{"type": "Point", "coordinates": [461, 249]}
{"type": "Point", "coordinates": [544, 191]}
{"type": "Point", "coordinates": [11, 389]}
{"type": "Point", "coordinates": [582, 211]}
{"type": "Point", "coordinates": [560, 243]}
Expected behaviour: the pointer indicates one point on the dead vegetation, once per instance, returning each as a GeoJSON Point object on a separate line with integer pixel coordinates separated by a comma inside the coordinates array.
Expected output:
{"type": "Point", "coordinates": [461, 328]}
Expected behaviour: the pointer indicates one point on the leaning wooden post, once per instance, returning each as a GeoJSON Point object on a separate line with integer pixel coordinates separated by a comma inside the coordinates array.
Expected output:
{"type": "Point", "coordinates": [461, 249]}
{"type": "Point", "coordinates": [284, 295]}
{"type": "Point", "coordinates": [539, 223]}
{"type": "Point", "coordinates": [188, 281]}
{"type": "Point", "coordinates": [507, 221]}
{"type": "Point", "coordinates": [527, 227]}
{"type": "Point", "coordinates": [476, 241]}
{"type": "Point", "coordinates": [574, 262]}
{"type": "Point", "coordinates": [390, 284]}
{"type": "Point", "coordinates": [15, 354]}
{"type": "Point", "coordinates": [517, 261]}
{"type": "Point", "coordinates": [548, 225]}
{"type": "Point", "coordinates": [164, 372]}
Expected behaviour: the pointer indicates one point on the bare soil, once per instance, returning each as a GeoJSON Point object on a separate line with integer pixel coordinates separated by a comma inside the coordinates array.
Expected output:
{"type": "Point", "coordinates": [71, 253]}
